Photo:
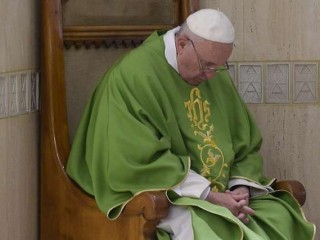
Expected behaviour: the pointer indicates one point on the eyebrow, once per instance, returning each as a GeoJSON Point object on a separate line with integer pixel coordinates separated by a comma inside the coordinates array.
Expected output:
{"type": "Point", "coordinates": [200, 57]}
{"type": "Point", "coordinates": [208, 63]}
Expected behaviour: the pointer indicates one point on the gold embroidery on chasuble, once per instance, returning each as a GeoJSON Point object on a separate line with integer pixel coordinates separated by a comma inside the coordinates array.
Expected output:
{"type": "Point", "coordinates": [212, 159]}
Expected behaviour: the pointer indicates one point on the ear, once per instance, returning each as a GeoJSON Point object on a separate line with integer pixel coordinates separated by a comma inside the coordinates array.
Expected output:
{"type": "Point", "coordinates": [181, 43]}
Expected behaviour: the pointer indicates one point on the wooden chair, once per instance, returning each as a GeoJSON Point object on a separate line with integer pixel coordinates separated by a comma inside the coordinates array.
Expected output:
{"type": "Point", "coordinates": [66, 211]}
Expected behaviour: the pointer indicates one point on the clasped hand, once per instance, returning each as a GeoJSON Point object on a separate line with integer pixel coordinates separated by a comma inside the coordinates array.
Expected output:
{"type": "Point", "coordinates": [237, 201]}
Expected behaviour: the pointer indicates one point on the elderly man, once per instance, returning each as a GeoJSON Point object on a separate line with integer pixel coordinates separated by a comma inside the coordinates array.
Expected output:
{"type": "Point", "coordinates": [168, 117]}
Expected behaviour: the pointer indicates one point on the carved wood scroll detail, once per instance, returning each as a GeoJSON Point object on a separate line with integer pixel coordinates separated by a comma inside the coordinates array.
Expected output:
{"type": "Point", "coordinates": [108, 36]}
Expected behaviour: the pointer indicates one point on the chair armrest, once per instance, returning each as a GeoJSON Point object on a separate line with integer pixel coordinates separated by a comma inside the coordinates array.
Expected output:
{"type": "Point", "coordinates": [152, 205]}
{"type": "Point", "coordinates": [294, 187]}
{"type": "Point", "coordinates": [142, 214]}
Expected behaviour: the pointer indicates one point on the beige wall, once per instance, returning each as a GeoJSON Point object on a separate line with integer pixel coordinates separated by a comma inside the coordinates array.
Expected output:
{"type": "Point", "coordinates": [18, 119]}
{"type": "Point", "coordinates": [273, 32]}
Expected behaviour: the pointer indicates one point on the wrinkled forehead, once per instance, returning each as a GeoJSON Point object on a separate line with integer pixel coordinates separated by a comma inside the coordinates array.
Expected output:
{"type": "Point", "coordinates": [215, 51]}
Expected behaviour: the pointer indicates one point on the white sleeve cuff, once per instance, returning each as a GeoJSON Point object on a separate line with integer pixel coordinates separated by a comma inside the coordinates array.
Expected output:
{"type": "Point", "coordinates": [255, 189]}
{"type": "Point", "coordinates": [194, 185]}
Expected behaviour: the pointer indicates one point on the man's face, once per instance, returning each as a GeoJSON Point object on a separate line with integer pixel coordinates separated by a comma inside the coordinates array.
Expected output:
{"type": "Point", "coordinates": [198, 61]}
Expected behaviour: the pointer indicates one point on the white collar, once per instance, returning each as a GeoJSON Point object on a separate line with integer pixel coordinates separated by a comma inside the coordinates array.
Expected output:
{"type": "Point", "coordinates": [170, 51]}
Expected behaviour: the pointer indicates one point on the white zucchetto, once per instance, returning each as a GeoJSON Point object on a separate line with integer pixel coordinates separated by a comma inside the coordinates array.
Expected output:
{"type": "Point", "coordinates": [212, 25]}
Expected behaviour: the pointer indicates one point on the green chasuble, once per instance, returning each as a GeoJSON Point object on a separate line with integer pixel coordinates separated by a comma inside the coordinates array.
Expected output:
{"type": "Point", "coordinates": [145, 127]}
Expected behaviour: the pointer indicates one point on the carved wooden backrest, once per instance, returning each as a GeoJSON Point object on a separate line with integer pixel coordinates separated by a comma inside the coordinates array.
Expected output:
{"type": "Point", "coordinates": [74, 55]}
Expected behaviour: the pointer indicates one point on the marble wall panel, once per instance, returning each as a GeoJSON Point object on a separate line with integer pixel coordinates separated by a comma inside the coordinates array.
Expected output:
{"type": "Point", "coordinates": [19, 50]}
{"type": "Point", "coordinates": [266, 30]}
{"type": "Point", "coordinates": [3, 95]}
{"type": "Point", "coordinates": [19, 35]}
{"type": "Point", "coordinates": [3, 179]}
{"type": "Point", "coordinates": [273, 30]}
{"type": "Point", "coordinates": [305, 34]}
{"type": "Point", "coordinates": [18, 177]}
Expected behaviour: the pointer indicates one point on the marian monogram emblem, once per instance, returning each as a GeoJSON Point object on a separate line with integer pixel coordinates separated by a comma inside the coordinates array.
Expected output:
{"type": "Point", "coordinates": [213, 163]}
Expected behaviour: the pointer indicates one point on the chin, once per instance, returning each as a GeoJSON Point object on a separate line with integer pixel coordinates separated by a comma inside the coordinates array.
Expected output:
{"type": "Point", "coordinates": [195, 81]}
{"type": "Point", "coordinates": [191, 82]}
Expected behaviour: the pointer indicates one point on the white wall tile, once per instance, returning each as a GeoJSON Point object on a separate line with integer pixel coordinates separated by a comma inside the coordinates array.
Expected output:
{"type": "Point", "coordinates": [34, 92]}
{"type": "Point", "coordinates": [13, 94]}
{"type": "Point", "coordinates": [250, 82]}
{"type": "Point", "coordinates": [277, 83]}
{"type": "Point", "coordinates": [19, 93]}
{"type": "Point", "coordinates": [23, 92]}
{"type": "Point", "coordinates": [305, 82]}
